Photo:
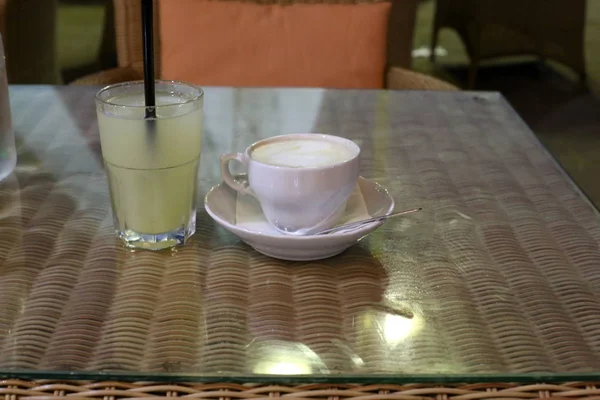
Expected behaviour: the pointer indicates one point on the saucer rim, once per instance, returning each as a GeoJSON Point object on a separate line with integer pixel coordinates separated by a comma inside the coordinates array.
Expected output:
{"type": "Point", "coordinates": [367, 227]}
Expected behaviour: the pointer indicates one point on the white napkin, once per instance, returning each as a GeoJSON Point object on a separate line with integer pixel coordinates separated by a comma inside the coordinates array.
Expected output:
{"type": "Point", "coordinates": [248, 214]}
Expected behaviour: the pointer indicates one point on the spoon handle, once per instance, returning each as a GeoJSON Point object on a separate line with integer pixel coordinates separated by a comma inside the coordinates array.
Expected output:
{"type": "Point", "coordinates": [369, 220]}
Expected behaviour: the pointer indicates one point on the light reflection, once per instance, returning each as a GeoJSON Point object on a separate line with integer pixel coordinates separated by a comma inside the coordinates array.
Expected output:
{"type": "Point", "coordinates": [283, 368]}
{"type": "Point", "coordinates": [398, 328]}
{"type": "Point", "coordinates": [61, 145]}
{"type": "Point", "coordinates": [280, 357]}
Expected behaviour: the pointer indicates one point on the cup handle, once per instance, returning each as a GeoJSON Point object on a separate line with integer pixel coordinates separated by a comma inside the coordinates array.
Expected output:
{"type": "Point", "coordinates": [242, 187]}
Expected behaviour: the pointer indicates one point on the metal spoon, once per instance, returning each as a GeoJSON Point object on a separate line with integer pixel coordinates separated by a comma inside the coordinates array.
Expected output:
{"type": "Point", "coordinates": [358, 224]}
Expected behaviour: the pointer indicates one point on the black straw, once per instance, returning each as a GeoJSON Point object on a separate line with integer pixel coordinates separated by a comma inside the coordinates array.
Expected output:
{"type": "Point", "coordinates": [148, 35]}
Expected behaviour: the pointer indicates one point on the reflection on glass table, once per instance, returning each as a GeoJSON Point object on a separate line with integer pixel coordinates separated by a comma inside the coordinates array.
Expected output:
{"type": "Point", "coordinates": [496, 279]}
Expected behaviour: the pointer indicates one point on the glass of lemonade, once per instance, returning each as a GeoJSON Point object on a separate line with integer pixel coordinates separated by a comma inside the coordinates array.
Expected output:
{"type": "Point", "coordinates": [152, 164]}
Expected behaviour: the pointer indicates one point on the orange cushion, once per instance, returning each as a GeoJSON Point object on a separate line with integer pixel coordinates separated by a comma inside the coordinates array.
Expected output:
{"type": "Point", "coordinates": [233, 43]}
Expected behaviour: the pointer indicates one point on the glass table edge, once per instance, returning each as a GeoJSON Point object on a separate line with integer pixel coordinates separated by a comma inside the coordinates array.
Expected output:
{"type": "Point", "coordinates": [541, 377]}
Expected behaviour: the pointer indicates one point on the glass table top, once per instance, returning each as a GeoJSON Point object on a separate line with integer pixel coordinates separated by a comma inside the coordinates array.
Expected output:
{"type": "Point", "coordinates": [498, 278]}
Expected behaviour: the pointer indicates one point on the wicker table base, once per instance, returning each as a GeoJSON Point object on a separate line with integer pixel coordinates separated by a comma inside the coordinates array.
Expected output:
{"type": "Point", "coordinates": [49, 390]}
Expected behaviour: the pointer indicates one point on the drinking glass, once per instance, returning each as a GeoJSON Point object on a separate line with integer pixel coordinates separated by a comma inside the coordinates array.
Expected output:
{"type": "Point", "coordinates": [152, 164]}
{"type": "Point", "coordinates": [8, 153]}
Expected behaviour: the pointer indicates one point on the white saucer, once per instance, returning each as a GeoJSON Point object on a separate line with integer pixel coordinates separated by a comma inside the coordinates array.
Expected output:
{"type": "Point", "coordinates": [242, 216]}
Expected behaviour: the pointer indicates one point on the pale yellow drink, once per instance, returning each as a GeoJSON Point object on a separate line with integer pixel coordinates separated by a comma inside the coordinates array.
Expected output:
{"type": "Point", "coordinates": [152, 167]}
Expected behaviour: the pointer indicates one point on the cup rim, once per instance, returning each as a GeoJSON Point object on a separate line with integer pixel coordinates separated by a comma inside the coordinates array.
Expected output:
{"type": "Point", "coordinates": [248, 152]}
{"type": "Point", "coordinates": [198, 95]}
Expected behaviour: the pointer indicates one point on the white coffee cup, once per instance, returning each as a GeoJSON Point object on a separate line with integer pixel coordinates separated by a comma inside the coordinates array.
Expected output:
{"type": "Point", "coordinates": [302, 181]}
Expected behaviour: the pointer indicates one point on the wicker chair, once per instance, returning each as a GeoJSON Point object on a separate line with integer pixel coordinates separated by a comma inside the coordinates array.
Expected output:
{"type": "Point", "coordinates": [28, 33]}
{"type": "Point", "coordinates": [496, 28]}
{"type": "Point", "coordinates": [130, 60]}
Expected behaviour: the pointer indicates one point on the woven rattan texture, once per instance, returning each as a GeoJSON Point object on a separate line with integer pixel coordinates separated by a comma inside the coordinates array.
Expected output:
{"type": "Point", "coordinates": [47, 390]}
{"type": "Point", "coordinates": [500, 271]}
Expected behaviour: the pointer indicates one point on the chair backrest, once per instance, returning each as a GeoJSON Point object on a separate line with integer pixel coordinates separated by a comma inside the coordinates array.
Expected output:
{"type": "Point", "coordinates": [129, 38]}
{"type": "Point", "coordinates": [128, 35]}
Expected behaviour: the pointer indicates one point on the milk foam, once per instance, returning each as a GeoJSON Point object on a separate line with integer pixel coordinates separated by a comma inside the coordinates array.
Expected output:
{"type": "Point", "coordinates": [302, 153]}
